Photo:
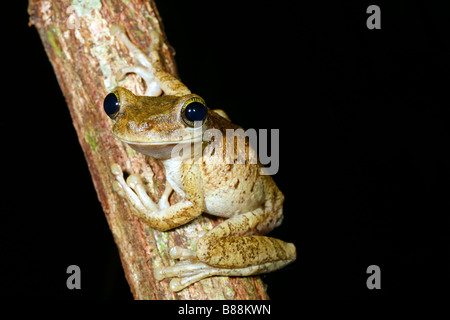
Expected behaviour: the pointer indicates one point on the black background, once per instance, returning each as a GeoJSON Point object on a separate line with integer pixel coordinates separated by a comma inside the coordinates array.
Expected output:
{"type": "Point", "coordinates": [363, 119]}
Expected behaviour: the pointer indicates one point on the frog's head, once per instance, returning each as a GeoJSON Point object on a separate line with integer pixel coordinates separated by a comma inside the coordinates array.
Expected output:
{"type": "Point", "coordinates": [154, 125]}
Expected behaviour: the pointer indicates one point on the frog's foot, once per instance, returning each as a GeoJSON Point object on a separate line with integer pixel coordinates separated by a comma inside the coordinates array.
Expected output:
{"type": "Point", "coordinates": [153, 88]}
{"type": "Point", "coordinates": [144, 65]}
{"type": "Point", "coordinates": [149, 67]}
{"type": "Point", "coordinates": [182, 253]}
{"type": "Point", "coordinates": [134, 191]}
{"type": "Point", "coordinates": [161, 216]}
{"type": "Point", "coordinates": [190, 270]}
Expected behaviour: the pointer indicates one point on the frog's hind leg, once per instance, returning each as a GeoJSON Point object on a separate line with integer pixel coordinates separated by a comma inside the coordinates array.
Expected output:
{"type": "Point", "coordinates": [188, 272]}
{"type": "Point", "coordinates": [236, 244]}
{"type": "Point", "coordinates": [233, 248]}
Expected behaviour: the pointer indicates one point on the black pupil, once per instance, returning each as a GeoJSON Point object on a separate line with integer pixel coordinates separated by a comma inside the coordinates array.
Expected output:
{"type": "Point", "coordinates": [111, 104]}
{"type": "Point", "coordinates": [195, 111]}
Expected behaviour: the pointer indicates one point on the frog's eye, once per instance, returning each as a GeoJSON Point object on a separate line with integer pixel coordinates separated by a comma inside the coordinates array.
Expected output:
{"type": "Point", "coordinates": [111, 105]}
{"type": "Point", "coordinates": [194, 111]}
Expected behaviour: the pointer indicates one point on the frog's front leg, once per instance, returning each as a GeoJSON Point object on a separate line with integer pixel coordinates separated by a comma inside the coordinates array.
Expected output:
{"type": "Point", "coordinates": [149, 67]}
{"type": "Point", "coordinates": [159, 216]}
{"type": "Point", "coordinates": [153, 88]}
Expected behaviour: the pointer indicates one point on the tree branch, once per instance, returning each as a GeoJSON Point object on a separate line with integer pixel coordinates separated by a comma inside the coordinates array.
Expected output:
{"type": "Point", "coordinates": [86, 58]}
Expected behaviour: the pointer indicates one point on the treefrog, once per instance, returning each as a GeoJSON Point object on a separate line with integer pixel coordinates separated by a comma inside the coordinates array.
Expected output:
{"type": "Point", "coordinates": [155, 125]}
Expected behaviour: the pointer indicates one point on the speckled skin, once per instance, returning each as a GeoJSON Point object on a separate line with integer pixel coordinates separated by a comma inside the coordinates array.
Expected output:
{"type": "Point", "coordinates": [230, 188]}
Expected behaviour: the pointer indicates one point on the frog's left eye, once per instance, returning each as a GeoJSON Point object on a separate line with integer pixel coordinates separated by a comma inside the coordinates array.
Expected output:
{"type": "Point", "coordinates": [194, 111]}
{"type": "Point", "coordinates": [111, 105]}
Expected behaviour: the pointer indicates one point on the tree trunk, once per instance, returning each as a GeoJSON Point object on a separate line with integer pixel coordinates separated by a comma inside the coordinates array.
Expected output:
{"type": "Point", "coordinates": [86, 58]}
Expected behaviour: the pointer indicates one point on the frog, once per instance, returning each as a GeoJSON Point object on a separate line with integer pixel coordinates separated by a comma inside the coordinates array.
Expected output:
{"type": "Point", "coordinates": [156, 124]}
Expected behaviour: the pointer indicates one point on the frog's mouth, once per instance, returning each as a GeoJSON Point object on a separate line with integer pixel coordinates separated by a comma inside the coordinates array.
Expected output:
{"type": "Point", "coordinates": [159, 143]}
{"type": "Point", "coordinates": [167, 149]}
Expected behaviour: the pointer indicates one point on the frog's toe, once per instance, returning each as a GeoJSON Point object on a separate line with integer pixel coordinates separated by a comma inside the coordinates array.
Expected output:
{"type": "Point", "coordinates": [119, 184]}
{"type": "Point", "coordinates": [118, 188]}
{"type": "Point", "coordinates": [132, 190]}
{"type": "Point", "coordinates": [188, 278]}
{"type": "Point", "coordinates": [116, 170]}
{"type": "Point", "coordinates": [175, 285]}
{"type": "Point", "coordinates": [178, 284]}
{"type": "Point", "coordinates": [181, 269]}
{"type": "Point", "coordinates": [135, 183]}
{"type": "Point", "coordinates": [182, 253]}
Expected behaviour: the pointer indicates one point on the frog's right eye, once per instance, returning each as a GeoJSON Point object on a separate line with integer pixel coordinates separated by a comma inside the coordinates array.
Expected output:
{"type": "Point", "coordinates": [111, 105]}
